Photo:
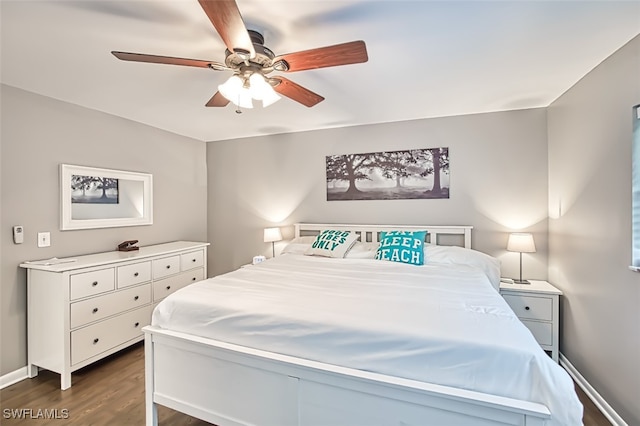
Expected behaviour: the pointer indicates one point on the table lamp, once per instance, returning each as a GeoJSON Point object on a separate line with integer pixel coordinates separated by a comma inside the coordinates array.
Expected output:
{"type": "Point", "coordinates": [521, 242]}
{"type": "Point", "coordinates": [271, 235]}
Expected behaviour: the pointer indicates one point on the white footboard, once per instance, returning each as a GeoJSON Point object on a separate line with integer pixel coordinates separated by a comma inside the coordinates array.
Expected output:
{"type": "Point", "coordinates": [231, 385]}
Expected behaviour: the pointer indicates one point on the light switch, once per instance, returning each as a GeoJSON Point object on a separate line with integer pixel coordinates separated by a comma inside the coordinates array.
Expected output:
{"type": "Point", "coordinates": [44, 239]}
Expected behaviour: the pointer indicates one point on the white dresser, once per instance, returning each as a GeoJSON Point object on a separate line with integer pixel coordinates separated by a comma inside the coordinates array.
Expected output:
{"type": "Point", "coordinates": [83, 310]}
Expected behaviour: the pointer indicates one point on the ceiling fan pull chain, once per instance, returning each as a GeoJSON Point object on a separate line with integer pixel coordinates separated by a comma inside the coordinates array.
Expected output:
{"type": "Point", "coordinates": [238, 110]}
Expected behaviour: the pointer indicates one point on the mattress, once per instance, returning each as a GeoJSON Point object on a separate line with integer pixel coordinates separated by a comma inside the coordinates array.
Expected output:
{"type": "Point", "coordinates": [438, 323]}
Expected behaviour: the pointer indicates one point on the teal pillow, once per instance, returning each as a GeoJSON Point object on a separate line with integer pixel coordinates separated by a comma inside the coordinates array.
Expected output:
{"type": "Point", "coordinates": [402, 246]}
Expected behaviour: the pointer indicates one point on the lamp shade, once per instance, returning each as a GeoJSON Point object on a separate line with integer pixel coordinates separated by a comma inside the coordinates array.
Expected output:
{"type": "Point", "coordinates": [272, 234]}
{"type": "Point", "coordinates": [521, 242]}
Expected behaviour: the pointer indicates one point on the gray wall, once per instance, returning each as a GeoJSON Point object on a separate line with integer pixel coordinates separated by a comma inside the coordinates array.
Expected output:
{"type": "Point", "coordinates": [590, 130]}
{"type": "Point", "coordinates": [498, 184]}
{"type": "Point", "coordinates": [39, 133]}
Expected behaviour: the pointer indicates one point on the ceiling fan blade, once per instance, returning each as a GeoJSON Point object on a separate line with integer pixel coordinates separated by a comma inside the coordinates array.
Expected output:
{"type": "Point", "coordinates": [140, 57]}
{"type": "Point", "coordinates": [217, 101]}
{"type": "Point", "coordinates": [226, 18]}
{"type": "Point", "coordinates": [296, 92]}
{"type": "Point", "coordinates": [353, 52]}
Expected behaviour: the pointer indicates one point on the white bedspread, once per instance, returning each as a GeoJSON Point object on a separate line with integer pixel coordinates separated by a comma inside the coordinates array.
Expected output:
{"type": "Point", "coordinates": [435, 323]}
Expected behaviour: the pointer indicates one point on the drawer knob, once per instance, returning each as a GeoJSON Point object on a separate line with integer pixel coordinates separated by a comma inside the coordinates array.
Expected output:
{"type": "Point", "coordinates": [95, 310]}
{"type": "Point", "coordinates": [136, 324]}
{"type": "Point", "coordinates": [95, 283]}
{"type": "Point", "coordinates": [168, 287]}
{"type": "Point", "coordinates": [193, 279]}
{"type": "Point", "coordinates": [526, 308]}
{"type": "Point", "coordinates": [96, 340]}
{"type": "Point", "coordinates": [136, 298]}
{"type": "Point", "coordinates": [193, 260]}
{"type": "Point", "coordinates": [135, 274]}
{"type": "Point", "coordinates": [168, 266]}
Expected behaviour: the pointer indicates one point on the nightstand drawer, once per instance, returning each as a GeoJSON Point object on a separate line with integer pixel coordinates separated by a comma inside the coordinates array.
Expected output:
{"type": "Point", "coordinates": [542, 331]}
{"type": "Point", "coordinates": [531, 307]}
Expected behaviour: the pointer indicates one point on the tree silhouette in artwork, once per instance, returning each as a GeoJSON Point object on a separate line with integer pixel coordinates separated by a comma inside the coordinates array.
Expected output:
{"type": "Point", "coordinates": [350, 168]}
{"type": "Point", "coordinates": [438, 158]}
{"type": "Point", "coordinates": [105, 183]}
{"type": "Point", "coordinates": [397, 165]}
{"type": "Point", "coordinates": [81, 182]}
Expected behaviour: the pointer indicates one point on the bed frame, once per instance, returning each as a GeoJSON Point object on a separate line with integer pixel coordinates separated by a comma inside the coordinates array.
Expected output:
{"type": "Point", "coordinates": [231, 385]}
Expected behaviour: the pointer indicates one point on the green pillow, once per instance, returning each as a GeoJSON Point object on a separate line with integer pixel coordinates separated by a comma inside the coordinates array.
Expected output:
{"type": "Point", "coordinates": [330, 243]}
{"type": "Point", "coordinates": [402, 246]}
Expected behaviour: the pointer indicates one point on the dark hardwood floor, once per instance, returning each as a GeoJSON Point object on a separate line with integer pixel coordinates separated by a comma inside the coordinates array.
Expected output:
{"type": "Point", "coordinates": [108, 392]}
{"type": "Point", "coordinates": [591, 416]}
{"type": "Point", "coordinates": [111, 392]}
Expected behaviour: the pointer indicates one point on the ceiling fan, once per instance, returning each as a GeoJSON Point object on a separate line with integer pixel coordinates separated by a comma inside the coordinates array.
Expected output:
{"type": "Point", "coordinates": [251, 61]}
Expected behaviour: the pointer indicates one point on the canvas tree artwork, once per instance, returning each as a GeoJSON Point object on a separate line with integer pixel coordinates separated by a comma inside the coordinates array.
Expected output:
{"type": "Point", "coordinates": [410, 174]}
{"type": "Point", "coordinates": [94, 190]}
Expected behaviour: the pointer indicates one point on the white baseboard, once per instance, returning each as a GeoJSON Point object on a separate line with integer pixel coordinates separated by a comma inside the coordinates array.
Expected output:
{"type": "Point", "coordinates": [593, 395]}
{"type": "Point", "coordinates": [13, 377]}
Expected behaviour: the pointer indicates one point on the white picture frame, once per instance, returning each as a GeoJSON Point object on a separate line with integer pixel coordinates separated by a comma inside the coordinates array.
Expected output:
{"type": "Point", "coordinates": [133, 194]}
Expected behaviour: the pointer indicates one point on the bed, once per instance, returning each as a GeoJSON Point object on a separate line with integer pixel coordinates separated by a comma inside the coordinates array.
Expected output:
{"type": "Point", "coordinates": [353, 340]}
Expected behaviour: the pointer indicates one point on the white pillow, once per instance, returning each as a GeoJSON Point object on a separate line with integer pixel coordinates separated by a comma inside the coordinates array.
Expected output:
{"type": "Point", "coordinates": [332, 243]}
{"type": "Point", "coordinates": [362, 250]}
{"type": "Point", "coordinates": [453, 255]}
{"type": "Point", "coordinates": [298, 245]}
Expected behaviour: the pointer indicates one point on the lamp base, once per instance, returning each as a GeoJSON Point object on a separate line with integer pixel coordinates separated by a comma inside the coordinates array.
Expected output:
{"type": "Point", "coordinates": [521, 282]}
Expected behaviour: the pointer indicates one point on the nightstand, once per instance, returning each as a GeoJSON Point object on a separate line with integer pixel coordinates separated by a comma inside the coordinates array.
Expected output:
{"type": "Point", "coordinates": [538, 307]}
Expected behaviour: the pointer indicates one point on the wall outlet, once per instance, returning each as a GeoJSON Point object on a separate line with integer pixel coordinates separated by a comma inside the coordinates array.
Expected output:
{"type": "Point", "coordinates": [44, 239]}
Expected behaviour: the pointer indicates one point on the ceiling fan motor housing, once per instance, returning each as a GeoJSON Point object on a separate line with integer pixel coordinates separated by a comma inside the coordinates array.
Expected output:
{"type": "Point", "coordinates": [263, 57]}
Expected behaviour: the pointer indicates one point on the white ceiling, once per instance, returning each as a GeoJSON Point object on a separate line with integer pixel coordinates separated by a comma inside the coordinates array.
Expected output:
{"type": "Point", "coordinates": [426, 58]}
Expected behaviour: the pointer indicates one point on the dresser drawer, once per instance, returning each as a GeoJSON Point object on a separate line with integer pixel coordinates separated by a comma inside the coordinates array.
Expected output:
{"type": "Point", "coordinates": [542, 331]}
{"type": "Point", "coordinates": [165, 287]}
{"type": "Point", "coordinates": [137, 273]}
{"type": "Point", "coordinates": [166, 266]}
{"type": "Point", "coordinates": [192, 260]}
{"type": "Point", "coordinates": [100, 337]}
{"type": "Point", "coordinates": [99, 307]}
{"type": "Point", "coordinates": [531, 307]}
{"type": "Point", "coordinates": [91, 283]}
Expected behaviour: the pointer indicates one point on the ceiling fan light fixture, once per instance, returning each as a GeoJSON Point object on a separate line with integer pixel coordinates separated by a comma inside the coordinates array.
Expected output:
{"type": "Point", "coordinates": [233, 89]}
{"type": "Point", "coordinates": [244, 99]}
{"type": "Point", "coordinates": [270, 98]}
{"type": "Point", "coordinates": [261, 90]}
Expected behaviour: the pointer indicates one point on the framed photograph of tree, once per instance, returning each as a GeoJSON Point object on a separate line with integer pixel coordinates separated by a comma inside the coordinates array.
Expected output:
{"type": "Point", "coordinates": [392, 175]}
{"type": "Point", "coordinates": [102, 198]}
{"type": "Point", "coordinates": [94, 190]}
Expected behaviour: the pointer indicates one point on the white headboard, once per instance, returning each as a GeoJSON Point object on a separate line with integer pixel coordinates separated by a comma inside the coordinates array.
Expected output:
{"type": "Point", "coordinates": [372, 232]}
